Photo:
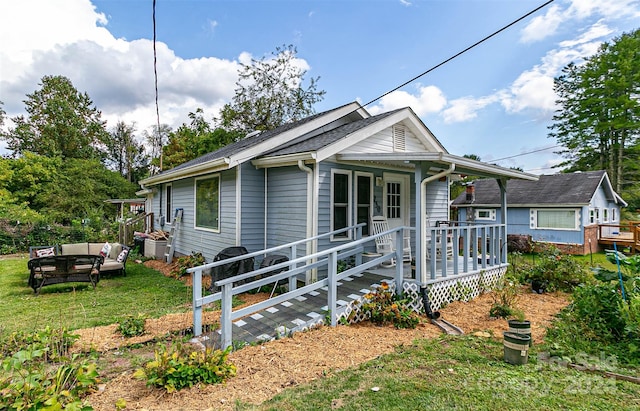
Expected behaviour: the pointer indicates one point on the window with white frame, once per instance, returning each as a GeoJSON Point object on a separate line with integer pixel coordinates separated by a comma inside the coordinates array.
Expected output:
{"type": "Point", "coordinates": [207, 203]}
{"type": "Point", "coordinates": [613, 214]}
{"type": "Point", "coordinates": [340, 202]}
{"type": "Point", "coordinates": [394, 200]}
{"type": "Point", "coordinates": [556, 219]}
{"type": "Point", "coordinates": [597, 210]}
{"type": "Point", "coordinates": [605, 215]}
{"type": "Point", "coordinates": [592, 216]}
{"type": "Point", "coordinates": [364, 199]}
{"type": "Point", "coordinates": [485, 214]}
{"type": "Point", "coordinates": [167, 198]}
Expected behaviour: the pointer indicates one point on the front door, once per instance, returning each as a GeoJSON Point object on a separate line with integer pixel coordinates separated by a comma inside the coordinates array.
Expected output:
{"type": "Point", "coordinates": [396, 199]}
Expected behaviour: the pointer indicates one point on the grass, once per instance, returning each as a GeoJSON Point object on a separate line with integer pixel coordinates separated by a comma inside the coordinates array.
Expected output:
{"type": "Point", "coordinates": [78, 305]}
{"type": "Point", "coordinates": [463, 373]}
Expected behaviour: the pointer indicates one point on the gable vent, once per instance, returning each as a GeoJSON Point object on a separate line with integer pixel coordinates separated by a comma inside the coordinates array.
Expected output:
{"type": "Point", "coordinates": [399, 138]}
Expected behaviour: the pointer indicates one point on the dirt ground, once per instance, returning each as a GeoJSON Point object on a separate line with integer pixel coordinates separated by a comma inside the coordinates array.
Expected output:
{"type": "Point", "coordinates": [265, 370]}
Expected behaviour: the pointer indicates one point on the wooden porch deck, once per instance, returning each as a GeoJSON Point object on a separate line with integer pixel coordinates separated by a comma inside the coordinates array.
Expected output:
{"type": "Point", "coordinates": [624, 236]}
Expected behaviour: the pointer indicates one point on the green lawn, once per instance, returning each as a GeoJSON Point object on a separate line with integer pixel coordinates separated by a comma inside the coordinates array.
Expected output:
{"type": "Point", "coordinates": [78, 305]}
{"type": "Point", "coordinates": [461, 373]}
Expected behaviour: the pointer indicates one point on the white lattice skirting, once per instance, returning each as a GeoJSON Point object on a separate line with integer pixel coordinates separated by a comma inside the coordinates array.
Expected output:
{"type": "Point", "coordinates": [442, 292]}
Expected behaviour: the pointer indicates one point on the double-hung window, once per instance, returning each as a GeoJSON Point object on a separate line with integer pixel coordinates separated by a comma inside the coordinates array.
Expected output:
{"type": "Point", "coordinates": [167, 198]}
{"type": "Point", "coordinates": [340, 202]}
{"type": "Point", "coordinates": [207, 203]}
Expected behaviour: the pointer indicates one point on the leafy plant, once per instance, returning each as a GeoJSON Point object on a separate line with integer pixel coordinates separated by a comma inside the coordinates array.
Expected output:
{"type": "Point", "coordinates": [53, 342]}
{"type": "Point", "coordinates": [131, 326]}
{"type": "Point", "coordinates": [385, 307]}
{"type": "Point", "coordinates": [555, 271]}
{"type": "Point", "coordinates": [27, 383]}
{"type": "Point", "coordinates": [179, 367]}
{"type": "Point", "coordinates": [505, 297]}
{"type": "Point", "coordinates": [185, 262]}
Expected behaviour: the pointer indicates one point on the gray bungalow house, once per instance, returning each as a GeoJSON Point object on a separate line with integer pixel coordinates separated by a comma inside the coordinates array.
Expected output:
{"type": "Point", "coordinates": [329, 171]}
{"type": "Point", "coordinates": [561, 209]}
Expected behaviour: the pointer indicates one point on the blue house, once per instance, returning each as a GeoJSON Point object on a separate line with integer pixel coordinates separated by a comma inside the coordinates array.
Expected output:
{"type": "Point", "coordinates": [561, 209]}
{"type": "Point", "coordinates": [316, 183]}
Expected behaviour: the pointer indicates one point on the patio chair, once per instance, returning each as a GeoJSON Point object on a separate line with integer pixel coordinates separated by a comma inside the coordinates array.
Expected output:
{"type": "Point", "coordinates": [448, 246]}
{"type": "Point", "coordinates": [385, 244]}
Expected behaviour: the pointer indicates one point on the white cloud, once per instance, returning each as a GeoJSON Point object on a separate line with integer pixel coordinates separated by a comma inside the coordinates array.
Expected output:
{"type": "Point", "coordinates": [429, 99]}
{"type": "Point", "coordinates": [542, 26]}
{"type": "Point", "coordinates": [466, 108]}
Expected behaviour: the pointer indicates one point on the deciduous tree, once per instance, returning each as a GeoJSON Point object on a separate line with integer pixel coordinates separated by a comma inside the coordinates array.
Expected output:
{"type": "Point", "coordinates": [270, 92]}
{"type": "Point", "coordinates": [60, 122]}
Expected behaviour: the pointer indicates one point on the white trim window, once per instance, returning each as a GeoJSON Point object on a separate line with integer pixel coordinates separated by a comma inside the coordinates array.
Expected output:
{"type": "Point", "coordinates": [340, 202]}
{"type": "Point", "coordinates": [613, 215]}
{"type": "Point", "coordinates": [592, 216]}
{"type": "Point", "coordinates": [605, 215]}
{"type": "Point", "coordinates": [364, 200]}
{"type": "Point", "coordinates": [555, 219]}
{"type": "Point", "coordinates": [207, 203]}
{"type": "Point", "coordinates": [168, 211]}
{"type": "Point", "coordinates": [485, 214]}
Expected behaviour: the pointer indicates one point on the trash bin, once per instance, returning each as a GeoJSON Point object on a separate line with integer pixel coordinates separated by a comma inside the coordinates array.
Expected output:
{"type": "Point", "coordinates": [224, 271]}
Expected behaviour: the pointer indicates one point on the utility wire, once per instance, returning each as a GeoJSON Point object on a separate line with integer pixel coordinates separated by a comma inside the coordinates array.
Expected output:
{"type": "Point", "coordinates": [528, 152]}
{"type": "Point", "coordinates": [155, 75]}
{"type": "Point", "coordinates": [460, 52]}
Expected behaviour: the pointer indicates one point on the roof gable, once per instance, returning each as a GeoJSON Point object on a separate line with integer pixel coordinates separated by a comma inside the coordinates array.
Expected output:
{"type": "Point", "coordinates": [556, 189]}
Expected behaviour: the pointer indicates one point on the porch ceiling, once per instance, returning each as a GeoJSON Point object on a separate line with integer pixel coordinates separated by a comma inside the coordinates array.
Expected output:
{"type": "Point", "coordinates": [441, 160]}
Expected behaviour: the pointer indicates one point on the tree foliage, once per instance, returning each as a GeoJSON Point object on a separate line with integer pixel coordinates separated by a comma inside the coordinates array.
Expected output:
{"type": "Point", "coordinates": [195, 139]}
{"type": "Point", "coordinates": [60, 122]}
{"type": "Point", "coordinates": [157, 139]}
{"type": "Point", "coordinates": [270, 92]}
{"type": "Point", "coordinates": [598, 120]}
{"type": "Point", "coordinates": [124, 153]}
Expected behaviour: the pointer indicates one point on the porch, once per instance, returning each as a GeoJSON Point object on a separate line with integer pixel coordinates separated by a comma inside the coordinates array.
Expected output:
{"type": "Point", "coordinates": [477, 263]}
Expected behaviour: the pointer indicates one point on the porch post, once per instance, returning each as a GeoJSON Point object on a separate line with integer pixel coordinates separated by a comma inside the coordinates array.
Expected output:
{"type": "Point", "coordinates": [419, 256]}
{"type": "Point", "coordinates": [502, 183]}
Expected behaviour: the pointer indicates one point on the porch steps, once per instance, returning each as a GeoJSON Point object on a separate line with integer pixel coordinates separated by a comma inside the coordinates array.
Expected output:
{"type": "Point", "coordinates": [175, 229]}
{"type": "Point", "coordinates": [297, 314]}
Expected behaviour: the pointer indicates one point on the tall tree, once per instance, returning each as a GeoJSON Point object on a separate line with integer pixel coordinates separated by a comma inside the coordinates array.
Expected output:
{"type": "Point", "coordinates": [598, 120]}
{"type": "Point", "coordinates": [192, 140]}
{"type": "Point", "coordinates": [124, 153]}
{"type": "Point", "coordinates": [60, 122]}
{"type": "Point", "coordinates": [157, 139]}
{"type": "Point", "coordinates": [270, 93]}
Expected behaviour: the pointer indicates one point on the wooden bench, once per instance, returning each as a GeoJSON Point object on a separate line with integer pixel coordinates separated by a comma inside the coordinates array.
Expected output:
{"type": "Point", "coordinates": [64, 269]}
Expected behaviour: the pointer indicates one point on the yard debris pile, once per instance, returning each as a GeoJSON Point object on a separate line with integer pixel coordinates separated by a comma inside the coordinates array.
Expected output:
{"type": "Point", "coordinates": [158, 235]}
{"type": "Point", "coordinates": [270, 368]}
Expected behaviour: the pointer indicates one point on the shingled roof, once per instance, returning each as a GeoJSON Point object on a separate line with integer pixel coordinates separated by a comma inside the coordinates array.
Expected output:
{"type": "Point", "coordinates": [550, 190]}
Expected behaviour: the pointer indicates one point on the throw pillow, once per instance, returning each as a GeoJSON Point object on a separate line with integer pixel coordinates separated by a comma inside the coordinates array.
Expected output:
{"type": "Point", "coordinates": [45, 252]}
{"type": "Point", "coordinates": [122, 256]}
{"type": "Point", "coordinates": [105, 249]}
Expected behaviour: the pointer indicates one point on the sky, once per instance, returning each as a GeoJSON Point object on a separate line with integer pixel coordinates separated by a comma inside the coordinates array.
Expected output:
{"type": "Point", "coordinates": [495, 101]}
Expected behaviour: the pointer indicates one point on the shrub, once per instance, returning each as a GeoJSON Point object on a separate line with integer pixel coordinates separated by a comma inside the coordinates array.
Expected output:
{"type": "Point", "coordinates": [555, 271]}
{"type": "Point", "coordinates": [54, 343]}
{"type": "Point", "coordinates": [27, 383]}
{"type": "Point", "coordinates": [385, 307]}
{"type": "Point", "coordinates": [185, 262]}
{"type": "Point", "coordinates": [179, 367]}
{"type": "Point", "coordinates": [505, 296]}
{"type": "Point", "coordinates": [131, 326]}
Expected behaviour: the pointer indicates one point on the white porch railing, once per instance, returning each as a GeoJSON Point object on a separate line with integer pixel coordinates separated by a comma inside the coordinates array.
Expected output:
{"type": "Point", "coordinates": [487, 250]}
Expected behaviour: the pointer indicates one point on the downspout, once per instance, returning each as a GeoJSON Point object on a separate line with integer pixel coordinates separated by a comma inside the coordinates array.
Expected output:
{"type": "Point", "coordinates": [423, 243]}
{"type": "Point", "coordinates": [310, 215]}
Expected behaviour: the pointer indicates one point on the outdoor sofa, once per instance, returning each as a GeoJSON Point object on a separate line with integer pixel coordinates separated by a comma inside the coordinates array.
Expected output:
{"type": "Point", "coordinates": [78, 262]}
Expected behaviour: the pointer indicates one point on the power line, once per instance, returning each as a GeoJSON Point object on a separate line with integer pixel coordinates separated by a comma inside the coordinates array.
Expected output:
{"type": "Point", "coordinates": [477, 43]}
{"type": "Point", "coordinates": [528, 152]}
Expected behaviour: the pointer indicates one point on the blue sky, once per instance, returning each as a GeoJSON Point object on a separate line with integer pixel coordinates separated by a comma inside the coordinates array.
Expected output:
{"type": "Point", "coordinates": [494, 101]}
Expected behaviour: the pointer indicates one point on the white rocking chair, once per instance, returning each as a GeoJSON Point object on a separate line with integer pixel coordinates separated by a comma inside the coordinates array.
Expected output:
{"type": "Point", "coordinates": [448, 246]}
{"type": "Point", "coordinates": [385, 244]}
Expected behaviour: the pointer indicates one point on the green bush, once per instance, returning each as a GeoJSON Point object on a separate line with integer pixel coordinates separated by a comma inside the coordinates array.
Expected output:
{"type": "Point", "coordinates": [180, 367]}
{"type": "Point", "coordinates": [555, 271]}
{"type": "Point", "coordinates": [185, 262]}
{"type": "Point", "coordinates": [385, 307]}
{"type": "Point", "coordinates": [28, 383]}
{"type": "Point", "coordinates": [53, 342]}
{"type": "Point", "coordinates": [505, 296]}
{"type": "Point", "coordinates": [131, 326]}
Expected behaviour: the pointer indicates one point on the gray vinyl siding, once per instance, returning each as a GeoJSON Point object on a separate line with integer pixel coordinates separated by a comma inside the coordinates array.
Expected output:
{"type": "Point", "coordinates": [190, 239]}
{"type": "Point", "coordinates": [287, 206]}
{"type": "Point", "coordinates": [252, 207]}
{"type": "Point", "coordinates": [437, 201]}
